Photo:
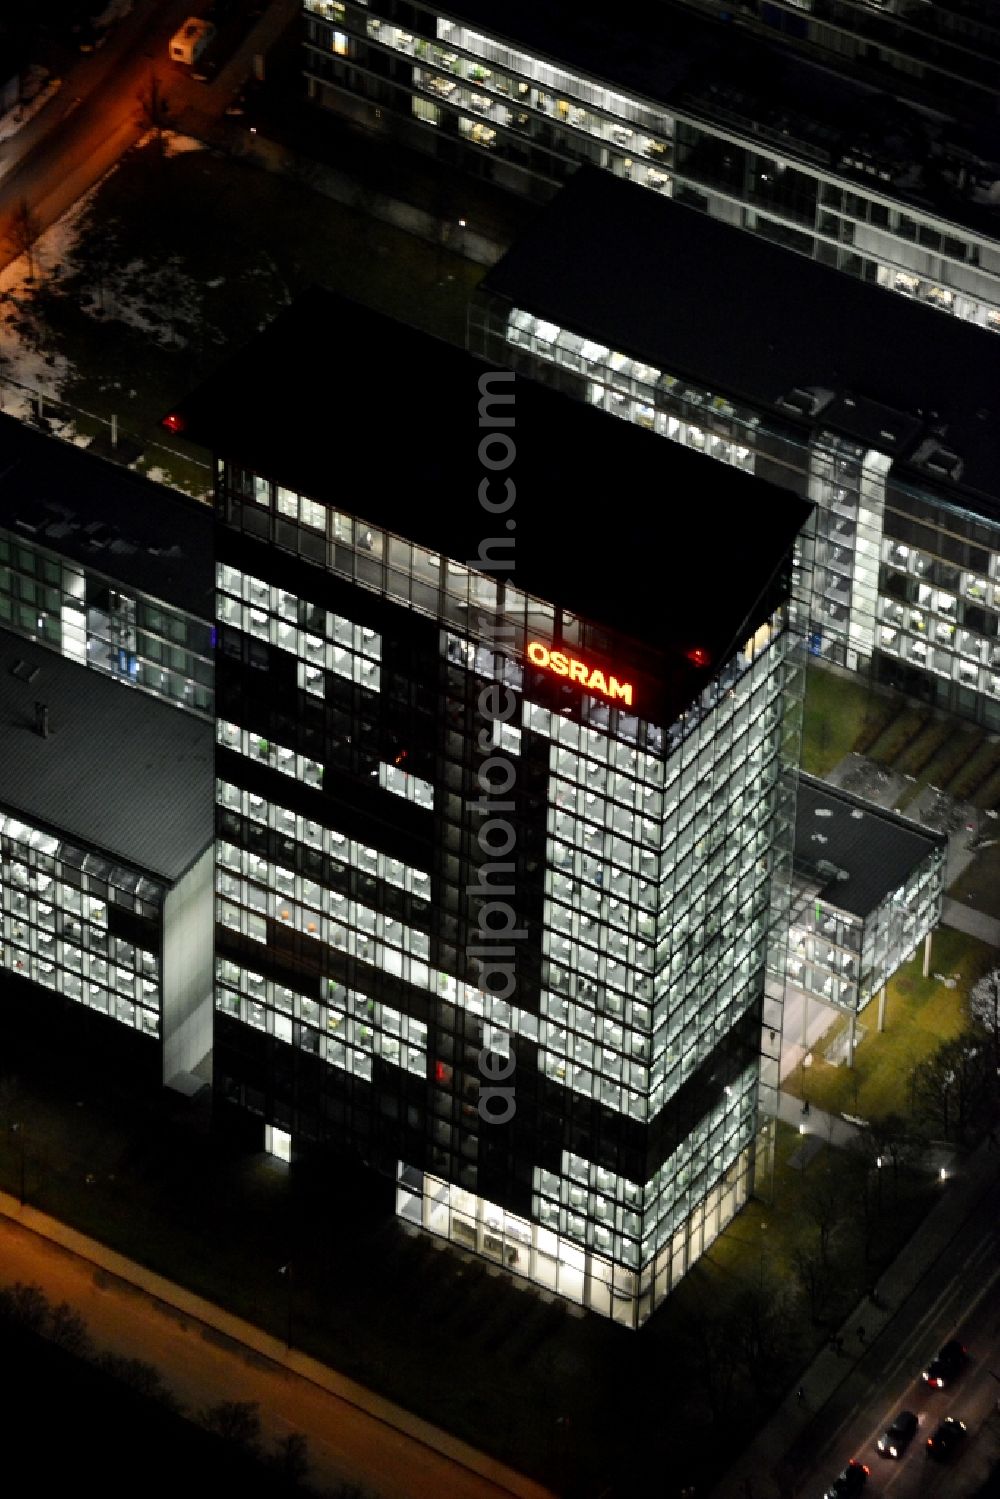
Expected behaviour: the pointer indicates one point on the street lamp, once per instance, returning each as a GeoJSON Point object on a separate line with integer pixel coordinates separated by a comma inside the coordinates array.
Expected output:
{"type": "Point", "coordinates": [16, 1129]}
{"type": "Point", "coordinates": [563, 1428]}
{"type": "Point", "coordinates": [286, 1271]}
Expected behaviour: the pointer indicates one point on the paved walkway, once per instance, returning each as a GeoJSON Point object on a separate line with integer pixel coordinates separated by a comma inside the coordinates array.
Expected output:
{"type": "Point", "coordinates": [833, 1129]}
{"type": "Point", "coordinates": [974, 923]}
{"type": "Point", "coordinates": [206, 1355]}
{"type": "Point", "coordinates": [818, 1018]}
{"type": "Point", "coordinates": [764, 1462]}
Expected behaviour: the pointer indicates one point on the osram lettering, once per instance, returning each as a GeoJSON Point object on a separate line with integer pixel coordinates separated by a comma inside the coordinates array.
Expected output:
{"type": "Point", "coordinates": [591, 679]}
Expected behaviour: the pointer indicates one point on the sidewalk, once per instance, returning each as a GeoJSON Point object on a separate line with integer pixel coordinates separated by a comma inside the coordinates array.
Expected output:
{"type": "Point", "coordinates": [765, 1462]}
{"type": "Point", "coordinates": [832, 1129]}
{"type": "Point", "coordinates": [206, 1355]}
{"type": "Point", "coordinates": [974, 923]}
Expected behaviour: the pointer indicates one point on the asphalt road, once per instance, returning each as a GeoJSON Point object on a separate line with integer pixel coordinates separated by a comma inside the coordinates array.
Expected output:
{"type": "Point", "coordinates": [204, 1366]}
{"type": "Point", "coordinates": [960, 1297]}
{"type": "Point", "coordinates": [97, 114]}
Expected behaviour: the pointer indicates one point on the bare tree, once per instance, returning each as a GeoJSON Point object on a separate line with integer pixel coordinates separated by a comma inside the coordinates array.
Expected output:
{"type": "Point", "coordinates": [709, 1350]}
{"type": "Point", "coordinates": [823, 1202]}
{"type": "Point", "coordinates": [815, 1278]}
{"type": "Point", "coordinates": [237, 1421]}
{"type": "Point", "coordinates": [25, 227]}
{"type": "Point", "coordinates": [759, 1326]}
{"type": "Point", "coordinates": [951, 1087]}
{"type": "Point", "coordinates": [984, 1007]}
{"type": "Point", "coordinates": [26, 1306]}
{"type": "Point", "coordinates": [291, 1458]}
{"type": "Point", "coordinates": [140, 1376]}
{"type": "Point", "coordinates": [154, 110]}
{"type": "Point", "coordinates": [68, 1330]}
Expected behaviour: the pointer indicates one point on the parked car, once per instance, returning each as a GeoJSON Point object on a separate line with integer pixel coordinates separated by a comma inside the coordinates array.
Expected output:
{"type": "Point", "coordinates": [897, 1437]}
{"type": "Point", "coordinates": [942, 1442]}
{"type": "Point", "coordinates": [946, 1366]}
{"type": "Point", "coordinates": [850, 1482]}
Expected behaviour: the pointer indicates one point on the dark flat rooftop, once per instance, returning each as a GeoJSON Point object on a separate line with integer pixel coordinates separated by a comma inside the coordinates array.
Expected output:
{"type": "Point", "coordinates": [774, 98]}
{"type": "Point", "coordinates": [118, 523]}
{"type": "Point", "coordinates": [877, 848]}
{"type": "Point", "coordinates": [120, 771]}
{"type": "Point", "coordinates": [611, 521]}
{"type": "Point", "coordinates": [731, 312]}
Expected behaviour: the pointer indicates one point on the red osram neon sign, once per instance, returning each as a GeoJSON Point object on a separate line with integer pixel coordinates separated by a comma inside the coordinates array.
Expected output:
{"type": "Point", "coordinates": [592, 679]}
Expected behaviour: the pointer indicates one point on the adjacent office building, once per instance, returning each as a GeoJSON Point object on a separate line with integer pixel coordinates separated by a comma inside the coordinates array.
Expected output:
{"type": "Point", "coordinates": [755, 135]}
{"type": "Point", "coordinates": [868, 890]}
{"type": "Point", "coordinates": [879, 412]}
{"type": "Point", "coordinates": [106, 567]}
{"type": "Point", "coordinates": [105, 864]}
{"type": "Point", "coordinates": [504, 831]}
{"type": "Point", "coordinates": [947, 50]}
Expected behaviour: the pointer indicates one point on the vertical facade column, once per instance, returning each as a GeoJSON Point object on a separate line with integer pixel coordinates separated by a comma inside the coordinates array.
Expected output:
{"type": "Point", "coordinates": [867, 554]}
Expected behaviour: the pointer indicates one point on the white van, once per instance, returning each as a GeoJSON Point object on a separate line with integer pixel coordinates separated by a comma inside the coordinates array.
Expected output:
{"type": "Point", "coordinates": [189, 43]}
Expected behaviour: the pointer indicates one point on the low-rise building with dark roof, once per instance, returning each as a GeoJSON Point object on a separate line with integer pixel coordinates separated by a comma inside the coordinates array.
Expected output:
{"type": "Point", "coordinates": [106, 567]}
{"type": "Point", "coordinates": [879, 411]}
{"type": "Point", "coordinates": [869, 888]}
{"type": "Point", "coordinates": [441, 584]}
{"type": "Point", "coordinates": [105, 856]}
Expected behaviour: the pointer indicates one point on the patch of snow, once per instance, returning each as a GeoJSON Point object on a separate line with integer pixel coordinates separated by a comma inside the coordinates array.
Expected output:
{"type": "Point", "coordinates": [176, 145]}
{"type": "Point", "coordinates": [115, 10]}
{"type": "Point", "coordinates": [159, 300]}
{"type": "Point", "coordinates": [15, 119]}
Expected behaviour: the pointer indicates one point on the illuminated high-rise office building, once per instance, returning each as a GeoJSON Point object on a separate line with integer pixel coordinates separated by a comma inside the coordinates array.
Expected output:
{"type": "Point", "coordinates": [503, 820]}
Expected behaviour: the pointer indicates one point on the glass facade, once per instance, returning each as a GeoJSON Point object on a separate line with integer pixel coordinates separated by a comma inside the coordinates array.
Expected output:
{"type": "Point", "coordinates": [81, 925]}
{"type": "Point", "coordinates": [102, 623]}
{"type": "Point", "coordinates": [891, 578]}
{"type": "Point", "coordinates": [843, 959]}
{"type": "Point", "coordinates": [651, 879]}
{"type": "Point", "coordinates": [915, 47]}
{"type": "Point", "coordinates": [527, 122]}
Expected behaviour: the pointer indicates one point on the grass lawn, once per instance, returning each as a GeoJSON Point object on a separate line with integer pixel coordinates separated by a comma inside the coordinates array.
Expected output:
{"type": "Point", "coordinates": [837, 711]}
{"type": "Point", "coordinates": [957, 750]}
{"type": "Point", "coordinates": [920, 1013]}
{"type": "Point", "coordinates": [157, 248]}
{"type": "Point", "coordinates": [973, 776]}
{"type": "Point", "coordinates": [956, 746]}
{"type": "Point", "coordinates": [898, 734]}
{"type": "Point", "coordinates": [924, 749]}
{"type": "Point", "coordinates": [774, 1232]}
{"type": "Point", "coordinates": [987, 795]}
